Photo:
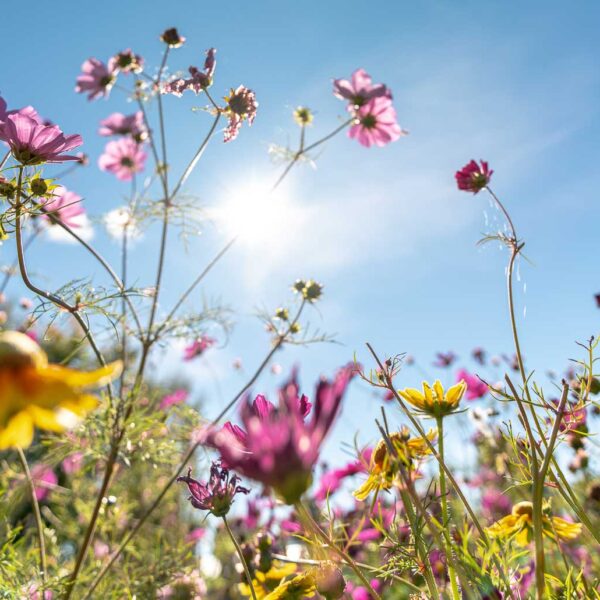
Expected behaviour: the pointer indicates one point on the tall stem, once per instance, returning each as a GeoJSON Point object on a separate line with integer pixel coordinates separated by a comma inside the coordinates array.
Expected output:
{"type": "Point", "coordinates": [242, 559]}
{"type": "Point", "coordinates": [444, 503]}
{"type": "Point", "coordinates": [36, 512]}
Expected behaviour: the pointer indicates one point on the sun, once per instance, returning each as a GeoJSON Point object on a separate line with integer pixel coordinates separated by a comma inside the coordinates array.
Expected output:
{"type": "Point", "coordinates": [258, 215]}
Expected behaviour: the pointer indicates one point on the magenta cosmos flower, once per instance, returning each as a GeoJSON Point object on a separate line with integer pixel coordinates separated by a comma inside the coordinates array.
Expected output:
{"type": "Point", "coordinates": [376, 123]}
{"type": "Point", "coordinates": [128, 125]}
{"type": "Point", "coordinates": [96, 78]}
{"type": "Point", "coordinates": [475, 387]}
{"type": "Point", "coordinates": [198, 81]}
{"type": "Point", "coordinates": [198, 347]}
{"type": "Point", "coordinates": [66, 207]}
{"type": "Point", "coordinates": [123, 158]}
{"type": "Point", "coordinates": [279, 446]}
{"type": "Point", "coordinates": [360, 89]}
{"type": "Point", "coordinates": [28, 111]}
{"type": "Point", "coordinates": [217, 494]}
{"type": "Point", "coordinates": [473, 177]}
{"type": "Point", "coordinates": [33, 143]}
{"type": "Point", "coordinates": [176, 397]}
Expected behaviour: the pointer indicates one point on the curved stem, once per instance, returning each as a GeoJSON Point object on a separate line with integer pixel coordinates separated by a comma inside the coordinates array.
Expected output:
{"type": "Point", "coordinates": [12, 269]}
{"type": "Point", "coordinates": [318, 532]}
{"type": "Point", "coordinates": [444, 503]}
{"type": "Point", "coordinates": [238, 549]}
{"type": "Point", "coordinates": [36, 512]}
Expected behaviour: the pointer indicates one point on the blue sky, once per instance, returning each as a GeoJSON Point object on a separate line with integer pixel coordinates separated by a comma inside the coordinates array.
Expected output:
{"type": "Point", "coordinates": [384, 229]}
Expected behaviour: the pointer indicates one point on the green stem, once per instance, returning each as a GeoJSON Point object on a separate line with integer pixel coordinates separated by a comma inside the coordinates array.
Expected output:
{"type": "Point", "coordinates": [316, 528]}
{"type": "Point", "coordinates": [421, 550]}
{"type": "Point", "coordinates": [444, 502]}
{"type": "Point", "coordinates": [242, 559]}
{"type": "Point", "coordinates": [36, 512]}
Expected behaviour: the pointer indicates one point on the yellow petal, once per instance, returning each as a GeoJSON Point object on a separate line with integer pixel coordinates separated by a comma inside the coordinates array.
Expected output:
{"type": "Point", "coordinates": [45, 418]}
{"type": "Point", "coordinates": [18, 432]}
{"type": "Point", "coordinates": [83, 379]}
{"type": "Point", "coordinates": [439, 391]}
{"type": "Point", "coordinates": [455, 393]}
{"type": "Point", "coordinates": [413, 396]}
{"type": "Point", "coordinates": [566, 530]}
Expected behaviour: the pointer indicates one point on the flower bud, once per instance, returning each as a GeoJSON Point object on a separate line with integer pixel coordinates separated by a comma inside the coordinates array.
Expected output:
{"type": "Point", "coordinates": [303, 116]}
{"type": "Point", "coordinates": [38, 186]}
{"type": "Point", "coordinates": [172, 38]}
{"type": "Point", "coordinates": [330, 582]}
{"type": "Point", "coordinates": [7, 189]}
{"type": "Point", "coordinates": [312, 291]}
{"type": "Point", "coordinates": [282, 313]}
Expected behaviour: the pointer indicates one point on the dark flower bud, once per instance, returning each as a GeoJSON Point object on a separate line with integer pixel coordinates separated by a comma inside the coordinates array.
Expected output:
{"type": "Point", "coordinates": [7, 189]}
{"type": "Point", "coordinates": [282, 313]}
{"type": "Point", "coordinates": [172, 38]}
{"type": "Point", "coordinates": [594, 492]}
{"type": "Point", "coordinates": [312, 291]}
{"type": "Point", "coordinates": [330, 582]}
{"type": "Point", "coordinates": [38, 186]}
{"type": "Point", "coordinates": [299, 285]}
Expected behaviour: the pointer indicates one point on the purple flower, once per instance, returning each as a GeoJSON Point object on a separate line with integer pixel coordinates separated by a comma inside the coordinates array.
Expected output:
{"type": "Point", "coordinates": [33, 143]}
{"type": "Point", "coordinates": [45, 480]}
{"type": "Point", "coordinates": [475, 387]}
{"type": "Point", "coordinates": [360, 89]}
{"type": "Point", "coordinates": [28, 111]}
{"type": "Point", "coordinates": [241, 106]}
{"type": "Point", "coordinates": [277, 446]}
{"type": "Point", "coordinates": [376, 123]}
{"type": "Point", "coordinates": [479, 355]}
{"type": "Point", "coordinates": [96, 78]}
{"type": "Point", "coordinates": [331, 481]}
{"type": "Point", "coordinates": [65, 206]}
{"type": "Point", "coordinates": [473, 177]}
{"type": "Point", "coordinates": [123, 158]}
{"type": "Point", "coordinates": [217, 494]}
{"type": "Point", "coordinates": [177, 397]}
{"type": "Point", "coordinates": [198, 80]}
{"type": "Point", "coordinates": [198, 347]}
{"type": "Point", "coordinates": [444, 359]}
{"type": "Point", "coordinates": [120, 124]}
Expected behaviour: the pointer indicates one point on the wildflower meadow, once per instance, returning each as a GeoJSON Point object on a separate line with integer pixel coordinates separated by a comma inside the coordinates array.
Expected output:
{"type": "Point", "coordinates": [228, 369]}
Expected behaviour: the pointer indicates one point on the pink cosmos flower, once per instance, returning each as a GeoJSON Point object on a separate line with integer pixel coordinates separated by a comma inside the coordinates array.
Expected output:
{"type": "Point", "coordinates": [217, 494]}
{"type": "Point", "coordinates": [495, 504]}
{"type": "Point", "coordinates": [28, 111]}
{"type": "Point", "coordinates": [241, 106]}
{"type": "Point", "coordinates": [96, 78]}
{"type": "Point", "coordinates": [120, 124]}
{"type": "Point", "coordinates": [475, 387]}
{"type": "Point", "coordinates": [177, 397]}
{"type": "Point", "coordinates": [73, 463]}
{"type": "Point", "coordinates": [45, 480]}
{"type": "Point", "coordinates": [360, 89]}
{"type": "Point", "coordinates": [473, 177]}
{"type": "Point", "coordinates": [195, 535]}
{"type": "Point", "coordinates": [198, 81]}
{"type": "Point", "coordinates": [64, 206]}
{"type": "Point", "coordinates": [278, 447]}
{"type": "Point", "coordinates": [33, 143]}
{"type": "Point", "coordinates": [123, 158]}
{"type": "Point", "coordinates": [376, 123]}
{"type": "Point", "coordinates": [331, 481]}
{"type": "Point", "coordinates": [198, 347]}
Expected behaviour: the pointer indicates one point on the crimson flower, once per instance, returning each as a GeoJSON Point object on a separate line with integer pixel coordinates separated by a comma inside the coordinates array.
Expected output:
{"type": "Point", "coordinates": [473, 177]}
{"type": "Point", "coordinates": [217, 494]}
{"type": "Point", "coordinates": [475, 387]}
{"type": "Point", "coordinates": [198, 347]}
{"type": "Point", "coordinates": [96, 79]}
{"type": "Point", "coordinates": [33, 143]}
{"type": "Point", "coordinates": [279, 446]}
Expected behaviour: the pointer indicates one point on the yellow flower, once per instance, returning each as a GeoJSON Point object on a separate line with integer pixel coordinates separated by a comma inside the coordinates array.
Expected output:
{"type": "Point", "coordinates": [384, 468]}
{"type": "Point", "coordinates": [520, 525]}
{"type": "Point", "coordinates": [301, 586]}
{"type": "Point", "coordinates": [264, 583]}
{"type": "Point", "coordinates": [34, 393]}
{"type": "Point", "coordinates": [433, 401]}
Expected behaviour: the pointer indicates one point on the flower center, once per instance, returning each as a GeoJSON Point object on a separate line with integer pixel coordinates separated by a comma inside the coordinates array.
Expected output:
{"type": "Point", "coordinates": [369, 121]}
{"type": "Point", "coordinates": [127, 162]}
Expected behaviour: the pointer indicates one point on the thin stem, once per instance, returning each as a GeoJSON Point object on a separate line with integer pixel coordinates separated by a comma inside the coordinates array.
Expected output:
{"type": "Point", "coordinates": [37, 514]}
{"type": "Point", "coordinates": [316, 528]}
{"type": "Point", "coordinates": [12, 269]}
{"type": "Point", "coordinates": [238, 549]}
{"type": "Point", "coordinates": [444, 502]}
{"type": "Point", "coordinates": [188, 455]}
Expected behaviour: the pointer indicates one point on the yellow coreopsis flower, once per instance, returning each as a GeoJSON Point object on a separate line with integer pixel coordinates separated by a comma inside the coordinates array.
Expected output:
{"type": "Point", "coordinates": [384, 468]}
{"type": "Point", "coordinates": [301, 586]}
{"type": "Point", "coordinates": [265, 583]}
{"type": "Point", "coordinates": [34, 393]}
{"type": "Point", "coordinates": [434, 401]}
{"type": "Point", "coordinates": [519, 524]}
